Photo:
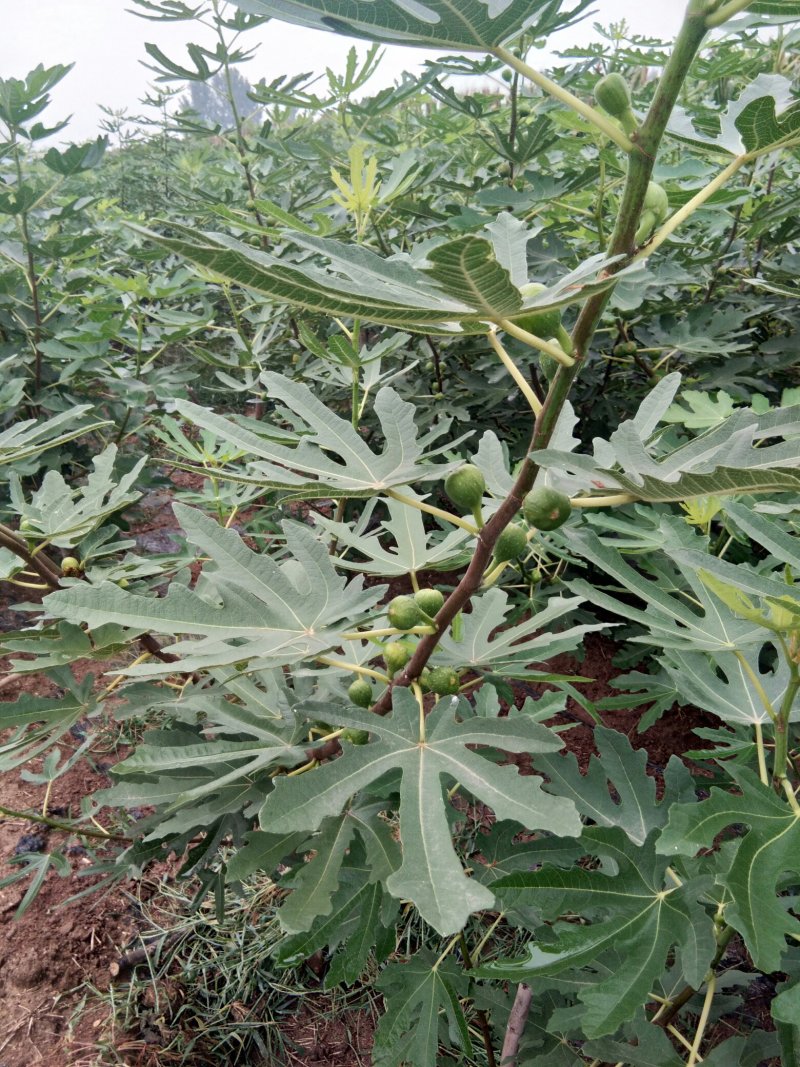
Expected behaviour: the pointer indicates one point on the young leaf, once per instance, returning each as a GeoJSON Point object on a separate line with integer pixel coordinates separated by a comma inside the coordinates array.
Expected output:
{"type": "Point", "coordinates": [431, 874]}
{"type": "Point", "coordinates": [646, 914]}
{"type": "Point", "coordinates": [65, 515]}
{"type": "Point", "coordinates": [309, 469]}
{"type": "Point", "coordinates": [623, 768]}
{"type": "Point", "coordinates": [314, 881]}
{"type": "Point", "coordinates": [37, 723]}
{"type": "Point", "coordinates": [764, 115]}
{"type": "Point", "coordinates": [771, 847]}
{"type": "Point", "coordinates": [357, 282]}
{"type": "Point", "coordinates": [731, 457]}
{"type": "Point", "coordinates": [29, 438]}
{"type": "Point", "coordinates": [651, 1048]}
{"type": "Point", "coordinates": [669, 620]}
{"type": "Point", "coordinates": [487, 644]}
{"type": "Point", "coordinates": [723, 684]}
{"type": "Point", "coordinates": [254, 608]}
{"type": "Point", "coordinates": [412, 547]}
{"type": "Point", "coordinates": [417, 993]}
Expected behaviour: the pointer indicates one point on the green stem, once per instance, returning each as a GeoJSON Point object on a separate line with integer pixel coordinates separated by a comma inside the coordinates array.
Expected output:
{"type": "Point", "coordinates": [694, 1055]}
{"type": "Point", "coordinates": [640, 172]}
{"type": "Point", "coordinates": [240, 142]}
{"type": "Point", "coordinates": [600, 205]}
{"type": "Point", "coordinates": [530, 339]}
{"type": "Point", "coordinates": [354, 400]}
{"type": "Point", "coordinates": [727, 11]}
{"type": "Point", "coordinates": [524, 387]}
{"type": "Point", "coordinates": [759, 688]}
{"type": "Point", "coordinates": [33, 282]}
{"type": "Point", "coordinates": [564, 96]}
{"type": "Point", "coordinates": [354, 668]}
{"type": "Point", "coordinates": [56, 824]}
{"type": "Point", "coordinates": [429, 509]}
{"type": "Point", "coordinates": [763, 773]}
{"type": "Point", "coordinates": [782, 725]}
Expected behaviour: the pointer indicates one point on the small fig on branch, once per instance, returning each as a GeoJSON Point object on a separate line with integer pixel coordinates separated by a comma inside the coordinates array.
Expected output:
{"type": "Point", "coordinates": [466, 487]}
{"type": "Point", "coordinates": [360, 693]}
{"type": "Point", "coordinates": [546, 509]}
{"type": "Point", "coordinates": [404, 613]}
{"type": "Point", "coordinates": [430, 601]}
{"type": "Point", "coordinates": [443, 681]}
{"type": "Point", "coordinates": [654, 210]}
{"type": "Point", "coordinates": [613, 95]}
{"type": "Point", "coordinates": [511, 543]}
{"type": "Point", "coordinates": [396, 655]}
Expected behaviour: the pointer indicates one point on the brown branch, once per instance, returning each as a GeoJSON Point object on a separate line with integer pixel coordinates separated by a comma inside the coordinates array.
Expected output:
{"type": "Point", "coordinates": [516, 1025]}
{"type": "Point", "coordinates": [36, 561]}
{"type": "Point", "coordinates": [144, 953]}
{"type": "Point", "coordinates": [149, 644]}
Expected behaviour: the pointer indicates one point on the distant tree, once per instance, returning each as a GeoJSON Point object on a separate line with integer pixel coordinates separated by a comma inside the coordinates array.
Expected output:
{"type": "Point", "coordinates": [213, 102]}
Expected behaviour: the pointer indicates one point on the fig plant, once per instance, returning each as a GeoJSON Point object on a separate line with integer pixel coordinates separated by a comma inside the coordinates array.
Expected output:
{"type": "Point", "coordinates": [331, 735]}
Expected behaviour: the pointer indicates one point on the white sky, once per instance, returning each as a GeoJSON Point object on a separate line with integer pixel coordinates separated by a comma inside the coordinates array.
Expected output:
{"type": "Point", "coordinates": [106, 43]}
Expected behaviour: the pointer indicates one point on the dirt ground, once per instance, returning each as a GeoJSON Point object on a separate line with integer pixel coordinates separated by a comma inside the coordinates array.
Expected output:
{"type": "Point", "coordinates": [56, 945]}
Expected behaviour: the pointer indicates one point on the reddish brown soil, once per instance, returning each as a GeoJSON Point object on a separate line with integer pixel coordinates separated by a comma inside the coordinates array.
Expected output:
{"type": "Point", "coordinates": [56, 945]}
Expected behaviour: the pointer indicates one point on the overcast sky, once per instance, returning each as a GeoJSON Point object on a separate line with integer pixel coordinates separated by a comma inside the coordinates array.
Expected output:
{"type": "Point", "coordinates": [106, 43]}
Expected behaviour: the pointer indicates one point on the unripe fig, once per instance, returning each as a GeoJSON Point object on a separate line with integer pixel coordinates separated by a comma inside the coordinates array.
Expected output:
{"type": "Point", "coordinates": [546, 509]}
{"type": "Point", "coordinates": [626, 348]}
{"type": "Point", "coordinates": [360, 693]}
{"type": "Point", "coordinates": [656, 200]}
{"type": "Point", "coordinates": [466, 487]}
{"type": "Point", "coordinates": [355, 737]}
{"type": "Point", "coordinates": [543, 324]}
{"type": "Point", "coordinates": [430, 601]}
{"type": "Point", "coordinates": [444, 681]}
{"type": "Point", "coordinates": [70, 565]}
{"type": "Point", "coordinates": [613, 95]}
{"type": "Point", "coordinates": [511, 543]}
{"type": "Point", "coordinates": [654, 211]}
{"type": "Point", "coordinates": [396, 655]}
{"type": "Point", "coordinates": [404, 613]}
{"type": "Point", "coordinates": [548, 366]}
